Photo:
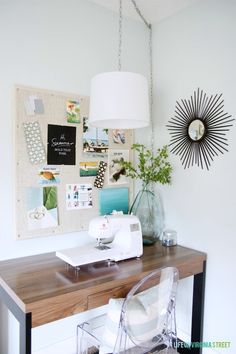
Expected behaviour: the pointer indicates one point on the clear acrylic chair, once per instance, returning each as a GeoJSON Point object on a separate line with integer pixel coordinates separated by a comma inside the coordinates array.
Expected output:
{"type": "Point", "coordinates": [143, 322]}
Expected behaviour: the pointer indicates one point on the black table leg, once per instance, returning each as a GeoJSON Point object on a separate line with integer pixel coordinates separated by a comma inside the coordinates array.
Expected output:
{"type": "Point", "coordinates": [198, 309]}
{"type": "Point", "coordinates": [197, 316]}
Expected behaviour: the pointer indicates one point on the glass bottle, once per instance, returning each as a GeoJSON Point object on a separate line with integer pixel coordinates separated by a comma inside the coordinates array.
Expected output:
{"type": "Point", "coordinates": [147, 206]}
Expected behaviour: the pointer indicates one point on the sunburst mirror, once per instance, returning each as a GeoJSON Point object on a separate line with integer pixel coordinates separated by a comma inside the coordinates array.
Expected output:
{"type": "Point", "coordinates": [198, 129]}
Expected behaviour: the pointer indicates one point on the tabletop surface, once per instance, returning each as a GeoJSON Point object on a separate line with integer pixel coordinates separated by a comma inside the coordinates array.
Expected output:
{"type": "Point", "coordinates": [45, 286]}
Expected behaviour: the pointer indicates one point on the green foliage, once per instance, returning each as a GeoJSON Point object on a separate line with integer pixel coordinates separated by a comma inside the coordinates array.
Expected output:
{"type": "Point", "coordinates": [150, 168]}
{"type": "Point", "coordinates": [49, 197]}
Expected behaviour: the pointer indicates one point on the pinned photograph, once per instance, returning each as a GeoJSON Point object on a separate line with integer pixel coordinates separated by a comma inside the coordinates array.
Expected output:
{"type": "Point", "coordinates": [73, 111]}
{"type": "Point", "coordinates": [79, 196]}
{"type": "Point", "coordinates": [39, 108]}
{"type": "Point", "coordinates": [111, 199]}
{"type": "Point", "coordinates": [33, 105]}
{"type": "Point", "coordinates": [116, 171]}
{"type": "Point", "coordinates": [49, 175]}
{"type": "Point", "coordinates": [95, 140]}
{"type": "Point", "coordinates": [41, 207]}
{"type": "Point", "coordinates": [88, 169]}
{"type": "Point", "coordinates": [118, 136]}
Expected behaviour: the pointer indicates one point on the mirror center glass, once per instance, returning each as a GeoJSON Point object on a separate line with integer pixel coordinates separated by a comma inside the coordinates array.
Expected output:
{"type": "Point", "coordinates": [196, 129]}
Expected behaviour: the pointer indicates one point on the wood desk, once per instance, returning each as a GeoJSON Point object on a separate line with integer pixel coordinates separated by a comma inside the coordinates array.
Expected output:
{"type": "Point", "coordinates": [40, 289]}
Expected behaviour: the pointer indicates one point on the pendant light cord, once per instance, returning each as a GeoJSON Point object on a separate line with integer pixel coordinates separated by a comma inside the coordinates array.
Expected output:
{"type": "Point", "coordinates": [120, 35]}
{"type": "Point", "coordinates": [149, 26]}
{"type": "Point", "coordinates": [140, 14]}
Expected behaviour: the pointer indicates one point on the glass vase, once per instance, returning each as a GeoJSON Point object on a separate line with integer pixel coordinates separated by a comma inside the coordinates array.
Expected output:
{"type": "Point", "coordinates": [147, 206]}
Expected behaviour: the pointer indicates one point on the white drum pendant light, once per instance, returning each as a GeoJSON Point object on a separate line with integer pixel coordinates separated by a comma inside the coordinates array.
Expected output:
{"type": "Point", "coordinates": [119, 100]}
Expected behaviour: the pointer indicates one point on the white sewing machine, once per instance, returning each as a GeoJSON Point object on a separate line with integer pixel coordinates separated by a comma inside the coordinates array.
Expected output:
{"type": "Point", "coordinates": [124, 232]}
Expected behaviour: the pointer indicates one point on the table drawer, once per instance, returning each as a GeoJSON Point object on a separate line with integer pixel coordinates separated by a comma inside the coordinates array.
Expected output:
{"type": "Point", "coordinates": [102, 297]}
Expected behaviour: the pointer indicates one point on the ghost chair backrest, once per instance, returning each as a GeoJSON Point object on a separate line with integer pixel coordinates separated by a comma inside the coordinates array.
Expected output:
{"type": "Point", "coordinates": [147, 318]}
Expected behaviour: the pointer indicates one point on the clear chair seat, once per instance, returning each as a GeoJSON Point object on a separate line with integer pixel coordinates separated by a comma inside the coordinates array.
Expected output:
{"type": "Point", "coordinates": [142, 323]}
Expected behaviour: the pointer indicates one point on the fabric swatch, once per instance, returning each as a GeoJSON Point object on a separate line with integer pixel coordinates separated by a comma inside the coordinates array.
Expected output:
{"type": "Point", "coordinates": [34, 143]}
{"type": "Point", "coordinates": [99, 180]}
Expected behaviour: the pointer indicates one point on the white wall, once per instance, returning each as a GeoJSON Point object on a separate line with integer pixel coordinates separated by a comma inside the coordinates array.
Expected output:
{"type": "Point", "coordinates": [197, 48]}
{"type": "Point", "coordinates": [60, 45]}
{"type": "Point", "coordinates": [56, 45]}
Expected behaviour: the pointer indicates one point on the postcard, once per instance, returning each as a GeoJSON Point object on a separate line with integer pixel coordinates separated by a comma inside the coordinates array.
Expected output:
{"type": "Point", "coordinates": [88, 169]}
{"type": "Point", "coordinates": [79, 196]}
{"type": "Point", "coordinates": [49, 175]}
{"type": "Point", "coordinates": [30, 105]}
{"type": "Point", "coordinates": [95, 140]}
{"type": "Point", "coordinates": [34, 105]}
{"type": "Point", "coordinates": [39, 107]}
{"type": "Point", "coordinates": [41, 207]}
{"type": "Point", "coordinates": [116, 171]}
{"type": "Point", "coordinates": [118, 136]}
{"type": "Point", "coordinates": [73, 111]}
{"type": "Point", "coordinates": [111, 199]}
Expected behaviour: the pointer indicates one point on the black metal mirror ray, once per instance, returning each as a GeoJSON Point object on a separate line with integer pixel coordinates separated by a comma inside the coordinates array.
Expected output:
{"type": "Point", "coordinates": [198, 129]}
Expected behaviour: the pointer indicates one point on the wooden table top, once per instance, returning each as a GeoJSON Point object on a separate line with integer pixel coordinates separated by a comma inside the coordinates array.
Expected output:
{"type": "Point", "coordinates": [44, 286]}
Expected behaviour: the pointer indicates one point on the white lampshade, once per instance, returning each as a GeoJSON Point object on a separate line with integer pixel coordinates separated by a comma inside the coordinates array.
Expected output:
{"type": "Point", "coordinates": [119, 100]}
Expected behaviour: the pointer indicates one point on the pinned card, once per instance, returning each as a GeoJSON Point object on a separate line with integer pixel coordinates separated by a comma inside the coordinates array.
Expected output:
{"type": "Point", "coordinates": [34, 105]}
{"type": "Point", "coordinates": [39, 107]}
{"type": "Point", "coordinates": [79, 196]}
{"type": "Point", "coordinates": [111, 199]}
{"type": "Point", "coordinates": [41, 207]}
{"type": "Point", "coordinates": [88, 169]}
{"type": "Point", "coordinates": [73, 111]}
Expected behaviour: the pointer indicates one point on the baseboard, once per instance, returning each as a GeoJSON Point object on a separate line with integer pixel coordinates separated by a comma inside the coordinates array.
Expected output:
{"type": "Point", "coordinates": [67, 346]}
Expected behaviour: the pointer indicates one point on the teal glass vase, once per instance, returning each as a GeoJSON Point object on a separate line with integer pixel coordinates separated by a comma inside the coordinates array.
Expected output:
{"type": "Point", "coordinates": [147, 206]}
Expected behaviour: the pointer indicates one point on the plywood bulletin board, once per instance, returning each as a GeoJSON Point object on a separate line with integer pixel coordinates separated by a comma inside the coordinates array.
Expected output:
{"type": "Point", "coordinates": [57, 161]}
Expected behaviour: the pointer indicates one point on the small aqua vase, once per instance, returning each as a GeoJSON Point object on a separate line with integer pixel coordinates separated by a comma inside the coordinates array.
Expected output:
{"type": "Point", "coordinates": [147, 206]}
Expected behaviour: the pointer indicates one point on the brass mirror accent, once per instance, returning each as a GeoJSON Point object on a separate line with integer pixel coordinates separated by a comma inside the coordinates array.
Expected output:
{"type": "Point", "coordinates": [198, 129]}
